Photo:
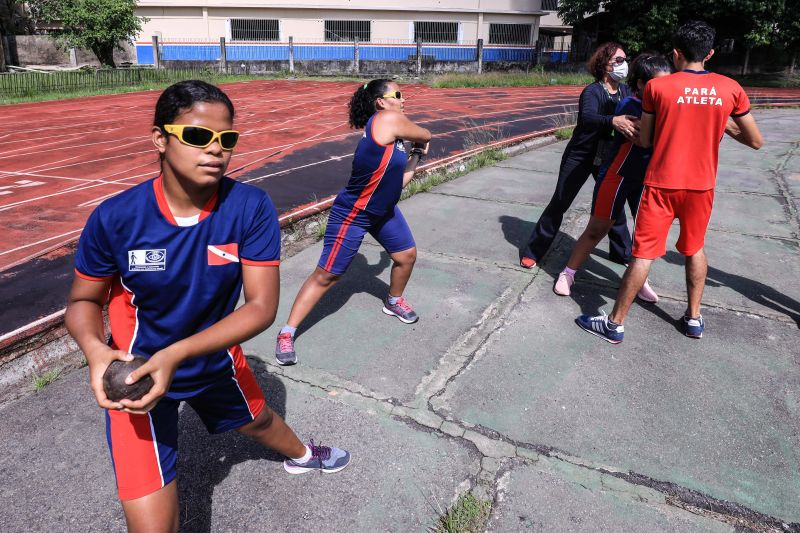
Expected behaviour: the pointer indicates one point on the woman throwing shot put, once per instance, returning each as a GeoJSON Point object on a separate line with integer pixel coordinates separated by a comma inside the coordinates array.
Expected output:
{"type": "Point", "coordinates": [368, 203]}
{"type": "Point", "coordinates": [174, 253]}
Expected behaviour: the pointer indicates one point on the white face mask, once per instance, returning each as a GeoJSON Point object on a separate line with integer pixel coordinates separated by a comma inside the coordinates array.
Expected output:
{"type": "Point", "coordinates": [620, 71]}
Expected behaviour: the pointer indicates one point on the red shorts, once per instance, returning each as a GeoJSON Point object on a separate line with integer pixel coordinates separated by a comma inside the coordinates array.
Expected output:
{"type": "Point", "coordinates": [659, 208]}
{"type": "Point", "coordinates": [144, 448]}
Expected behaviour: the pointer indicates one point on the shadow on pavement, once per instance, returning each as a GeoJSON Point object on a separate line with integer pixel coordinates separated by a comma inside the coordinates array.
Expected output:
{"type": "Point", "coordinates": [751, 289]}
{"type": "Point", "coordinates": [360, 277]}
{"type": "Point", "coordinates": [205, 460]}
{"type": "Point", "coordinates": [590, 298]}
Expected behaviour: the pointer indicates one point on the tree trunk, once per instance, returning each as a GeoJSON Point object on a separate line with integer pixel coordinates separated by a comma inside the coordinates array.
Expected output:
{"type": "Point", "coordinates": [793, 62]}
{"type": "Point", "coordinates": [105, 54]}
{"type": "Point", "coordinates": [2, 53]}
{"type": "Point", "coordinates": [746, 61]}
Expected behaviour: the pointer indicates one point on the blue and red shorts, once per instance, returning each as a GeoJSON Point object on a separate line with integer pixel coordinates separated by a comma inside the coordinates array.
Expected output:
{"type": "Point", "coordinates": [611, 192]}
{"type": "Point", "coordinates": [144, 448]}
{"type": "Point", "coordinates": [346, 229]}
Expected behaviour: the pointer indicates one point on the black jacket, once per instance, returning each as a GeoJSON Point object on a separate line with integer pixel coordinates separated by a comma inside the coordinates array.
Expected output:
{"type": "Point", "coordinates": [595, 111]}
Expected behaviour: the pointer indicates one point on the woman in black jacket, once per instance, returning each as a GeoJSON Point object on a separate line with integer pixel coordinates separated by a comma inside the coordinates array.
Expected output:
{"type": "Point", "coordinates": [585, 152]}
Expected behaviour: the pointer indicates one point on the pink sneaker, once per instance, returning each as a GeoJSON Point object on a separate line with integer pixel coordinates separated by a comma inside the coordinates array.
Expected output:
{"type": "Point", "coordinates": [527, 262]}
{"type": "Point", "coordinates": [647, 294]}
{"type": "Point", "coordinates": [564, 283]}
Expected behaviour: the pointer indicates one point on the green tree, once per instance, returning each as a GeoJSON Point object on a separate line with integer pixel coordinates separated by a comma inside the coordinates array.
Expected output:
{"type": "Point", "coordinates": [750, 22]}
{"type": "Point", "coordinates": [98, 25]}
{"type": "Point", "coordinates": [788, 31]}
{"type": "Point", "coordinates": [648, 24]}
{"type": "Point", "coordinates": [13, 21]}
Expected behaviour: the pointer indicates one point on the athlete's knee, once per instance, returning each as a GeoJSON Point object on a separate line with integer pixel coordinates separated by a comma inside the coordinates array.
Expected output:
{"type": "Point", "coordinates": [324, 278]}
{"type": "Point", "coordinates": [406, 257]}
{"type": "Point", "coordinates": [595, 233]}
{"type": "Point", "coordinates": [261, 424]}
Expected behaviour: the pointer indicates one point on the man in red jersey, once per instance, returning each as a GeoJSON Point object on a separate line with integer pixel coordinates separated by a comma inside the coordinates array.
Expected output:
{"type": "Point", "coordinates": [684, 117]}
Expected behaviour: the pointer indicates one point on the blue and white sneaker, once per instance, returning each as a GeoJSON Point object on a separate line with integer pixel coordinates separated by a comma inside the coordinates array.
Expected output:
{"type": "Point", "coordinates": [323, 458]}
{"type": "Point", "coordinates": [693, 327]}
{"type": "Point", "coordinates": [598, 325]}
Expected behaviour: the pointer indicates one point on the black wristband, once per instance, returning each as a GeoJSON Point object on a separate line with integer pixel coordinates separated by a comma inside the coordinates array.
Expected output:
{"type": "Point", "coordinates": [417, 152]}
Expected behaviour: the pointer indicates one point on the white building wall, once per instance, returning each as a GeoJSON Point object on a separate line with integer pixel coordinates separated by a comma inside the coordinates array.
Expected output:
{"type": "Point", "coordinates": [175, 19]}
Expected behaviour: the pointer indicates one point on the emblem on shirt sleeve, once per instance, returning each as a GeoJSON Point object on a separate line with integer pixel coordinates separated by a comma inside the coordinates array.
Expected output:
{"type": "Point", "coordinates": [147, 260]}
{"type": "Point", "coordinates": [222, 254]}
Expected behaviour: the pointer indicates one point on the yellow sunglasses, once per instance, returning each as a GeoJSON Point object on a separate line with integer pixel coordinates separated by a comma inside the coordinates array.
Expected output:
{"type": "Point", "coordinates": [200, 137]}
{"type": "Point", "coordinates": [397, 94]}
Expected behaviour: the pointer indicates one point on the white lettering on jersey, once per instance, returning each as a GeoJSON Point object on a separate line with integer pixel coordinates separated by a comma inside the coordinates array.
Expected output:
{"type": "Point", "coordinates": [699, 96]}
{"type": "Point", "coordinates": [147, 260]}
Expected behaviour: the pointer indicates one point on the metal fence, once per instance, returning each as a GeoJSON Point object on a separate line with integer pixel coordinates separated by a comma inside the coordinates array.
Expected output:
{"type": "Point", "coordinates": [22, 84]}
{"type": "Point", "coordinates": [435, 43]}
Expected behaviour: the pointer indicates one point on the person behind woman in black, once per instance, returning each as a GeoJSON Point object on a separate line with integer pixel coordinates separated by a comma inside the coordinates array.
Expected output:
{"type": "Point", "coordinates": [585, 152]}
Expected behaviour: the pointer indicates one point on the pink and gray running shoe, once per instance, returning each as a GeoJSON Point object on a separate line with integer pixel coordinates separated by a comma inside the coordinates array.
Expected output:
{"type": "Point", "coordinates": [284, 350]}
{"type": "Point", "coordinates": [401, 309]}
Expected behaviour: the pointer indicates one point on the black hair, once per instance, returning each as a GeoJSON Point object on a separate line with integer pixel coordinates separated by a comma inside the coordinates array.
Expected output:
{"type": "Point", "coordinates": [180, 97]}
{"type": "Point", "coordinates": [645, 66]}
{"type": "Point", "coordinates": [362, 103]}
{"type": "Point", "coordinates": [695, 39]}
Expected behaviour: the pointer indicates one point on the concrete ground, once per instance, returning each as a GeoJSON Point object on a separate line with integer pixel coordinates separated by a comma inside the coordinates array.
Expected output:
{"type": "Point", "coordinates": [494, 390]}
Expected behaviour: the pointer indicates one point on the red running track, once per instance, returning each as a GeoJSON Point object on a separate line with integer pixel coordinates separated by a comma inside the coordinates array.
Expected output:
{"type": "Point", "coordinates": [61, 159]}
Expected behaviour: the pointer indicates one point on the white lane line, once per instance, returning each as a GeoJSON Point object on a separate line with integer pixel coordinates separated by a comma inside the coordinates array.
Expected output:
{"type": "Point", "coordinates": [26, 327]}
{"type": "Point", "coordinates": [5, 252]}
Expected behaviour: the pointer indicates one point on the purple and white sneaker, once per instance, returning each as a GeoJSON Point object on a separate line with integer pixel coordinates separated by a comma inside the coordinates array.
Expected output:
{"type": "Point", "coordinates": [323, 458]}
{"type": "Point", "coordinates": [401, 309]}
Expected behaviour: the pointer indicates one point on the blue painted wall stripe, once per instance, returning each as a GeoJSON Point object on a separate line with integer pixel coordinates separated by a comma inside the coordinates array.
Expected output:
{"type": "Point", "coordinates": [280, 52]}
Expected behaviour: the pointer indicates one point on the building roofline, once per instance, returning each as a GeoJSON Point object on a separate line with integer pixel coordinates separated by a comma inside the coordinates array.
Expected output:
{"type": "Point", "coordinates": [227, 5]}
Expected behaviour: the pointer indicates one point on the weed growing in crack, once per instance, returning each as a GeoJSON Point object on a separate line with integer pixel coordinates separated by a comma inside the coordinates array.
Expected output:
{"type": "Point", "coordinates": [41, 381]}
{"type": "Point", "coordinates": [321, 227]}
{"type": "Point", "coordinates": [564, 133]}
{"type": "Point", "coordinates": [468, 515]}
{"type": "Point", "coordinates": [565, 121]}
{"type": "Point", "coordinates": [481, 134]}
{"type": "Point", "coordinates": [479, 160]}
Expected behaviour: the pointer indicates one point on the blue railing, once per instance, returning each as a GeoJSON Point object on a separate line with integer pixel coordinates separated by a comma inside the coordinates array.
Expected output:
{"type": "Point", "coordinates": [327, 52]}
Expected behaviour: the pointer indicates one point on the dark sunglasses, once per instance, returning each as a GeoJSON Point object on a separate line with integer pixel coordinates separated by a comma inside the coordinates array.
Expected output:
{"type": "Point", "coordinates": [618, 60]}
{"type": "Point", "coordinates": [200, 137]}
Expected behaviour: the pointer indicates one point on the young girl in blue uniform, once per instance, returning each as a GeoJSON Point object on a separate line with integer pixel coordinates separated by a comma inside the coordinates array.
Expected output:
{"type": "Point", "coordinates": [171, 256]}
{"type": "Point", "coordinates": [621, 178]}
{"type": "Point", "coordinates": [368, 203]}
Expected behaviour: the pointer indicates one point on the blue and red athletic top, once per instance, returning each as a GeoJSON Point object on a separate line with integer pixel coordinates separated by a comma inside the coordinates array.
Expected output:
{"type": "Point", "coordinates": [377, 178]}
{"type": "Point", "coordinates": [169, 282]}
{"type": "Point", "coordinates": [625, 158]}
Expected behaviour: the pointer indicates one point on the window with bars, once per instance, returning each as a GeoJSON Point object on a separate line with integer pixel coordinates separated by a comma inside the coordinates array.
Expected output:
{"type": "Point", "coordinates": [510, 33]}
{"type": "Point", "coordinates": [550, 5]}
{"type": "Point", "coordinates": [348, 30]}
{"type": "Point", "coordinates": [255, 30]}
{"type": "Point", "coordinates": [436, 32]}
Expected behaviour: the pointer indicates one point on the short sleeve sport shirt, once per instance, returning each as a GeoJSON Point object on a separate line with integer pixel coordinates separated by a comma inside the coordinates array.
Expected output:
{"type": "Point", "coordinates": [169, 282]}
{"type": "Point", "coordinates": [691, 110]}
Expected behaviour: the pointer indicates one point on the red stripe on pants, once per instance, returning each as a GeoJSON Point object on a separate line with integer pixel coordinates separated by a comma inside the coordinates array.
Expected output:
{"type": "Point", "coordinates": [135, 454]}
{"type": "Point", "coordinates": [337, 243]}
{"type": "Point", "coordinates": [247, 382]}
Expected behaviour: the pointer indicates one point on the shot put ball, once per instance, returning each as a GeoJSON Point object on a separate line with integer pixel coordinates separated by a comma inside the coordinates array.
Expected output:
{"type": "Point", "coordinates": [114, 380]}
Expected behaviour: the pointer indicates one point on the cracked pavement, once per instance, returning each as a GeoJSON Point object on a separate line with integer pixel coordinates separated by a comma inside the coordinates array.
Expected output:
{"type": "Point", "coordinates": [494, 390]}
